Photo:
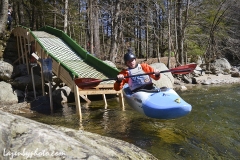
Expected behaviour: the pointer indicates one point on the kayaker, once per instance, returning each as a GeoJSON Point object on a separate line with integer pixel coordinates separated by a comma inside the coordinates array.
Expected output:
{"type": "Point", "coordinates": [138, 82]}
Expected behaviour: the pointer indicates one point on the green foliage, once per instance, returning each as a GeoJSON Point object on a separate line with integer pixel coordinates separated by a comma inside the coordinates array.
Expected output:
{"type": "Point", "coordinates": [172, 54]}
{"type": "Point", "coordinates": [194, 49]}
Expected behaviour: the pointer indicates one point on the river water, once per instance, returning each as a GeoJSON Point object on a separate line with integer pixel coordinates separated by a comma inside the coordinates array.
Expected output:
{"type": "Point", "coordinates": [210, 131]}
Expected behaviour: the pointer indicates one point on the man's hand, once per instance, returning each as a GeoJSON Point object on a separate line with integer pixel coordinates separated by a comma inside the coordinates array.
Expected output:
{"type": "Point", "coordinates": [120, 77]}
{"type": "Point", "coordinates": [156, 72]}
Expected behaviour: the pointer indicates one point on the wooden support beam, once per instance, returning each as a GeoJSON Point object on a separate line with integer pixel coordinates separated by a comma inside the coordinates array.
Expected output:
{"type": "Point", "coordinates": [17, 60]}
{"type": "Point", "coordinates": [95, 92]}
{"type": "Point", "coordinates": [58, 70]}
{"type": "Point", "coordinates": [42, 77]}
{"type": "Point", "coordinates": [105, 100]}
{"type": "Point", "coordinates": [85, 98]}
{"type": "Point", "coordinates": [77, 102]}
{"type": "Point", "coordinates": [21, 47]}
{"type": "Point", "coordinates": [27, 51]}
{"type": "Point", "coordinates": [19, 55]}
{"type": "Point", "coordinates": [121, 100]}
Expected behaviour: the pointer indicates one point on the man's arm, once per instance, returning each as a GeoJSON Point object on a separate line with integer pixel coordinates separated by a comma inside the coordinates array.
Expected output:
{"type": "Point", "coordinates": [147, 68]}
{"type": "Point", "coordinates": [118, 85]}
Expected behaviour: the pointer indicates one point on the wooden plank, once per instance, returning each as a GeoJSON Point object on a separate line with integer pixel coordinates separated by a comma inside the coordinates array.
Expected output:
{"type": "Point", "coordinates": [58, 70]}
{"type": "Point", "coordinates": [85, 98]}
{"type": "Point", "coordinates": [104, 85]}
{"type": "Point", "coordinates": [95, 92]}
{"type": "Point", "coordinates": [63, 74]}
{"type": "Point", "coordinates": [19, 54]}
{"type": "Point", "coordinates": [27, 50]}
{"type": "Point", "coordinates": [17, 59]}
{"type": "Point", "coordinates": [21, 48]}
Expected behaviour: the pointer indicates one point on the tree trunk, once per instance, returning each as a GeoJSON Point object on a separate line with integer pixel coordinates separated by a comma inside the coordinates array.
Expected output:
{"type": "Point", "coordinates": [179, 31]}
{"type": "Point", "coordinates": [210, 53]}
{"type": "Point", "coordinates": [33, 16]}
{"type": "Point", "coordinates": [65, 25]}
{"type": "Point", "coordinates": [55, 14]}
{"type": "Point", "coordinates": [3, 15]}
{"type": "Point", "coordinates": [184, 29]}
{"type": "Point", "coordinates": [96, 29]}
{"type": "Point", "coordinates": [176, 35]}
{"type": "Point", "coordinates": [114, 36]}
{"type": "Point", "coordinates": [90, 26]}
{"type": "Point", "coordinates": [169, 32]}
{"type": "Point", "coordinates": [146, 29]}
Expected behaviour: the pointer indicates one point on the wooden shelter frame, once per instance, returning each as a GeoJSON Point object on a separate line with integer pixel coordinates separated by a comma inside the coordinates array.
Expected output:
{"type": "Point", "coordinates": [25, 36]}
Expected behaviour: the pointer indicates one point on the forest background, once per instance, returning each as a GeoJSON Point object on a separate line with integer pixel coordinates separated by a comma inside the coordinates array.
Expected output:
{"type": "Point", "coordinates": [185, 29]}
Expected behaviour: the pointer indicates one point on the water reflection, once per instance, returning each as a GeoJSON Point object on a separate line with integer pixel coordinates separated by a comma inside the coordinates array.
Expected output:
{"type": "Point", "coordinates": [210, 131]}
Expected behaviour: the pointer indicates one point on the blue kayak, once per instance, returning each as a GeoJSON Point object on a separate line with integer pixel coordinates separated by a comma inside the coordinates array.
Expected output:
{"type": "Point", "coordinates": [159, 103]}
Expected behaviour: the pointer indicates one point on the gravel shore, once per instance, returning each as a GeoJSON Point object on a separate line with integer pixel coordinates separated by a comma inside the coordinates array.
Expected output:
{"type": "Point", "coordinates": [209, 79]}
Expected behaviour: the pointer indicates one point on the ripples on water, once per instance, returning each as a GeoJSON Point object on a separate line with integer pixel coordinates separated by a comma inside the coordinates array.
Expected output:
{"type": "Point", "coordinates": [210, 131]}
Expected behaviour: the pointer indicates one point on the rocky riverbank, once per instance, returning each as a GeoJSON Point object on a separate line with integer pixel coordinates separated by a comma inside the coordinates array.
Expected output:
{"type": "Point", "coordinates": [206, 79]}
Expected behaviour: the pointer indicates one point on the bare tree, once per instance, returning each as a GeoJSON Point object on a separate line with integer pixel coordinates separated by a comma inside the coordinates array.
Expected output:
{"type": "Point", "coordinates": [231, 44]}
{"type": "Point", "coordinates": [210, 53]}
{"type": "Point", "coordinates": [169, 31]}
{"type": "Point", "coordinates": [179, 31]}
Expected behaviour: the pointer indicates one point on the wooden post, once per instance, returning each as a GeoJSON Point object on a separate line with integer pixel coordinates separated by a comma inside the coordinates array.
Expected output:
{"type": "Point", "coordinates": [33, 81]}
{"type": "Point", "coordinates": [21, 46]}
{"type": "Point", "coordinates": [19, 56]}
{"type": "Point", "coordinates": [85, 98]}
{"type": "Point", "coordinates": [27, 52]}
{"type": "Point", "coordinates": [50, 96]}
{"type": "Point", "coordinates": [121, 100]}
{"type": "Point", "coordinates": [58, 70]}
{"type": "Point", "coordinates": [77, 102]}
{"type": "Point", "coordinates": [42, 77]}
{"type": "Point", "coordinates": [105, 100]}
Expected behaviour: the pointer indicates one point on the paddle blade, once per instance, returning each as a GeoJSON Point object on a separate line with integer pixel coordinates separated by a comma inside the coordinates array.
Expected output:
{"type": "Point", "coordinates": [184, 69]}
{"type": "Point", "coordinates": [187, 66]}
{"type": "Point", "coordinates": [85, 83]}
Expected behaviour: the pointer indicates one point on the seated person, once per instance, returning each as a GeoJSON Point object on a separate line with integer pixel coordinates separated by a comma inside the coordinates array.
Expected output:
{"type": "Point", "coordinates": [138, 82]}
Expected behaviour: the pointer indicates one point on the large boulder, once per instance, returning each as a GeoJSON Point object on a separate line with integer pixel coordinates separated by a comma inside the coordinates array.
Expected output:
{"type": "Point", "coordinates": [25, 82]}
{"type": "Point", "coordinates": [20, 70]}
{"type": "Point", "coordinates": [110, 63]}
{"type": "Point", "coordinates": [220, 65]}
{"type": "Point", "coordinates": [7, 95]}
{"type": "Point", "coordinates": [167, 79]}
{"type": "Point", "coordinates": [21, 138]}
{"type": "Point", "coordinates": [6, 70]}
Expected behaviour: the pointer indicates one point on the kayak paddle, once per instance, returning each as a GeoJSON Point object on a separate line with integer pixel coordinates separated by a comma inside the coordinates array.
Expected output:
{"type": "Point", "coordinates": [85, 83]}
